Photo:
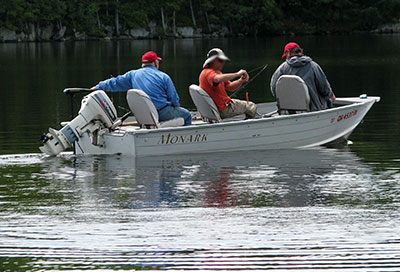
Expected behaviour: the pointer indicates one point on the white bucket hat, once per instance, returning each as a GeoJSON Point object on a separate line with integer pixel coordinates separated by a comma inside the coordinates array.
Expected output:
{"type": "Point", "coordinates": [213, 54]}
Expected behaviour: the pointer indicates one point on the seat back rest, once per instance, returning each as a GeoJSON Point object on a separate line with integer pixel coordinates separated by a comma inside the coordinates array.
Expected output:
{"type": "Point", "coordinates": [292, 94]}
{"type": "Point", "coordinates": [176, 122]}
{"type": "Point", "coordinates": [204, 104]}
{"type": "Point", "coordinates": [143, 108]}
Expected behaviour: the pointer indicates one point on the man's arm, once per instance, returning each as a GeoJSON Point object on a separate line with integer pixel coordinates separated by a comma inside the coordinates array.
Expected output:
{"type": "Point", "coordinates": [233, 86]}
{"type": "Point", "coordinates": [322, 83]}
{"type": "Point", "coordinates": [116, 84]}
{"type": "Point", "coordinates": [218, 78]}
{"type": "Point", "coordinates": [172, 95]}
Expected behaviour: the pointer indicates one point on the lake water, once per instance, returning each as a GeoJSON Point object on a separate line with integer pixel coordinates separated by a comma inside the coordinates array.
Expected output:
{"type": "Point", "coordinates": [321, 209]}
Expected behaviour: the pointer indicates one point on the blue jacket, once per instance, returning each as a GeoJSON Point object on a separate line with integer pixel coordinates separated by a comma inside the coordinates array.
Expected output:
{"type": "Point", "coordinates": [156, 84]}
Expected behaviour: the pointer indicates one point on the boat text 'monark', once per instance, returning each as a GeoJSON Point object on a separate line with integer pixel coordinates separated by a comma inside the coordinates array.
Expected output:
{"type": "Point", "coordinates": [182, 139]}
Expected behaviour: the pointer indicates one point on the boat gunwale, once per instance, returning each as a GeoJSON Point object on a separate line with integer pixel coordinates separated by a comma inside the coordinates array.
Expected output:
{"type": "Point", "coordinates": [353, 102]}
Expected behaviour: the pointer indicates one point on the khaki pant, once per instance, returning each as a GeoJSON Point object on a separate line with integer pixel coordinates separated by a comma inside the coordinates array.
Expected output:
{"type": "Point", "coordinates": [238, 107]}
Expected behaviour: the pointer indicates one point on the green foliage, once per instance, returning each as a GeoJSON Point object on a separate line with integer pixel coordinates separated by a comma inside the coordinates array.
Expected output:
{"type": "Point", "coordinates": [48, 11]}
{"type": "Point", "coordinates": [370, 18]}
{"type": "Point", "coordinates": [133, 14]}
{"type": "Point", "coordinates": [248, 17]}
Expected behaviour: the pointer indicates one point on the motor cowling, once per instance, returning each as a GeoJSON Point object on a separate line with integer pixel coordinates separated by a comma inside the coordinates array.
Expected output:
{"type": "Point", "coordinates": [97, 113]}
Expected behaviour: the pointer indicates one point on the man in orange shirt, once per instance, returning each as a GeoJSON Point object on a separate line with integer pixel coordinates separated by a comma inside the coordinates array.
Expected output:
{"type": "Point", "coordinates": [215, 83]}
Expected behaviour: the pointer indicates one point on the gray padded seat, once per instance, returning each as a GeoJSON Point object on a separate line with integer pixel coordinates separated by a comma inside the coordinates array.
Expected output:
{"type": "Point", "coordinates": [207, 108]}
{"type": "Point", "coordinates": [292, 95]}
{"type": "Point", "coordinates": [146, 113]}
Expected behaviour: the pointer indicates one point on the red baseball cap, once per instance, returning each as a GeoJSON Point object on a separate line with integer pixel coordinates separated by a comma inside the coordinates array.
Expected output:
{"type": "Point", "coordinates": [289, 46]}
{"type": "Point", "coordinates": [150, 57]}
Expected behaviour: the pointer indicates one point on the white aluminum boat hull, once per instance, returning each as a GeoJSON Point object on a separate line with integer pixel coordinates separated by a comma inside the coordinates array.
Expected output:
{"type": "Point", "coordinates": [280, 132]}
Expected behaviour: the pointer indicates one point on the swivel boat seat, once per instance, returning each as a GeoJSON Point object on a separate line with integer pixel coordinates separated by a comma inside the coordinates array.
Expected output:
{"type": "Point", "coordinates": [292, 95]}
{"type": "Point", "coordinates": [207, 108]}
{"type": "Point", "coordinates": [146, 113]}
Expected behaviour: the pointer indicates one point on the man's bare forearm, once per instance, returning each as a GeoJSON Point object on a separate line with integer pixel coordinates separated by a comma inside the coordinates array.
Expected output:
{"type": "Point", "coordinates": [234, 85]}
{"type": "Point", "coordinates": [225, 77]}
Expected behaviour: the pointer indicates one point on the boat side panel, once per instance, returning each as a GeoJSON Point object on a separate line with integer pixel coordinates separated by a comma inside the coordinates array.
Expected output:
{"type": "Point", "coordinates": [115, 143]}
{"type": "Point", "coordinates": [304, 131]}
{"type": "Point", "coordinates": [296, 131]}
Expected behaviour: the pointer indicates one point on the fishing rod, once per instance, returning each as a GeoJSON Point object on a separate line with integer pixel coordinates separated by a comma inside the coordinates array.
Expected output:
{"type": "Point", "coordinates": [255, 69]}
{"type": "Point", "coordinates": [248, 82]}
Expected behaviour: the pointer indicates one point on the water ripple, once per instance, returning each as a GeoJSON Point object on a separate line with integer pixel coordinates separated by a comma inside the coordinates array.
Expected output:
{"type": "Point", "coordinates": [318, 209]}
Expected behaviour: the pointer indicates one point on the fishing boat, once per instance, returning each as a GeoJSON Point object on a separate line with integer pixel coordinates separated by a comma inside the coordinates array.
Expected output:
{"type": "Point", "coordinates": [285, 124]}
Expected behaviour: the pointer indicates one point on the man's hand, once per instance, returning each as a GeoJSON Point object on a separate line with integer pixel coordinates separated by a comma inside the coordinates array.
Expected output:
{"type": "Point", "coordinates": [93, 88]}
{"type": "Point", "coordinates": [333, 98]}
{"type": "Point", "coordinates": [245, 77]}
{"type": "Point", "coordinates": [241, 73]}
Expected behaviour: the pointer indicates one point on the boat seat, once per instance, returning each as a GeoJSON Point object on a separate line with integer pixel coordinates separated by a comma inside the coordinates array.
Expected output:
{"type": "Point", "coordinates": [292, 95]}
{"type": "Point", "coordinates": [146, 113]}
{"type": "Point", "coordinates": [207, 108]}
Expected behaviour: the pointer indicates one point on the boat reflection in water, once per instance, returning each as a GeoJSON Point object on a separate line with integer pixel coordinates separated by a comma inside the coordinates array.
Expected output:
{"type": "Point", "coordinates": [284, 209]}
{"type": "Point", "coordinates": [268, 178]}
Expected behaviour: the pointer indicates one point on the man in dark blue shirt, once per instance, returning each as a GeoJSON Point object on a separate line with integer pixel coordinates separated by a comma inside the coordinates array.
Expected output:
{"type": "Point", "coordinates": [156, 84]}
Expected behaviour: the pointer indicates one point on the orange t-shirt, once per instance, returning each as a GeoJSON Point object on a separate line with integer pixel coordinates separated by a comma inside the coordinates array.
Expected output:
{"type": "Point", "coordinates": [216, 91]}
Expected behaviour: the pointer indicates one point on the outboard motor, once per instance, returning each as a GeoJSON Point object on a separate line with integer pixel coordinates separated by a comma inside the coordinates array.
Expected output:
{"type": "Point", "coordinates": [96, 116]}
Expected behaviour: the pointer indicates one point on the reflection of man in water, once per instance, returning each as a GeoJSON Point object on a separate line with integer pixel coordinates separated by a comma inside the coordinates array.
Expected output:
{"type": "Point", "coordinates": [217, 192]}
{"type": "Point", "coordinates": [297, 63]}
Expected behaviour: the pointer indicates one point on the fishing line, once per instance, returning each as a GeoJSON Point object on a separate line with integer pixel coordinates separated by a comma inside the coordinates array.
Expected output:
{"type": "Point", "coordinates": [255, 69]}
{"type": "Point", "coordinates": [248, 82]}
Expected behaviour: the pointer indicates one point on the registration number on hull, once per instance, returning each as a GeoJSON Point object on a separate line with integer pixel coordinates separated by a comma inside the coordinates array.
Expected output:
{"type": "Point", "coordinates": [344, 116]}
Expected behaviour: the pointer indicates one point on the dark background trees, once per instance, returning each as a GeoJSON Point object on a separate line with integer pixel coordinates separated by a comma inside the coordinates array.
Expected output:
{"type": "Point", "coordinates": [247, 17]}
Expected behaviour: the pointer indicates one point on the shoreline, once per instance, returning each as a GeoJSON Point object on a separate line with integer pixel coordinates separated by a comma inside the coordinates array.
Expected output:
{"type": "Point", "coordinates": [54, 34]}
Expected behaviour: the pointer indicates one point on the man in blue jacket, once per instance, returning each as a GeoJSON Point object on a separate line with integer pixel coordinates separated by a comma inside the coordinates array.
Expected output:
{"type": "Point", "coordinates": [156, 84]}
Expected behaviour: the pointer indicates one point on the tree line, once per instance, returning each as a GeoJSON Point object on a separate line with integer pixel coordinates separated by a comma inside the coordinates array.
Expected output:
{"type": "Point", "coordinates": [245, 17]}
